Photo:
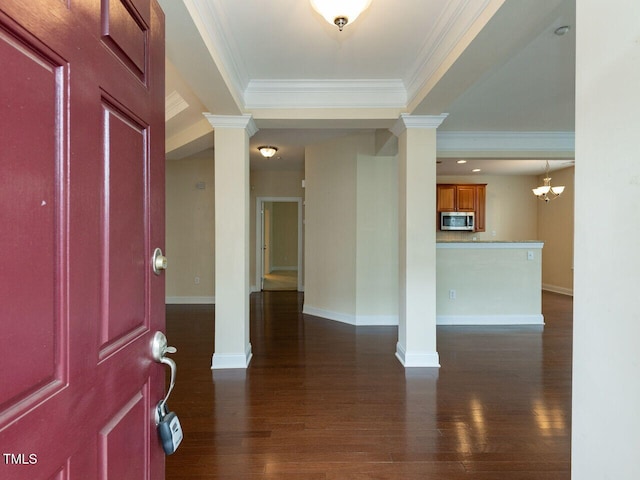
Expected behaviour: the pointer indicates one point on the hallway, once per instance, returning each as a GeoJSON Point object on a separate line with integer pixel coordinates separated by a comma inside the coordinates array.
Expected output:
{"type": "Point", "coordinates": [325, 400]}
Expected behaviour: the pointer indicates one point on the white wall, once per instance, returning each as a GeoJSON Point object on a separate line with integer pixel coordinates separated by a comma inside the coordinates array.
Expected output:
{"type": "Point", "coordinates": [606, 354]}
{"type": "Point", "coordinates": [555, 229]}
{"type": "Point", "coordinates": [330, 218]}
{"type": "Point", "coordinates": [377, 239]}
{"type": "Point", "coordinates": [190, 229]}
{"type": "Point", "coordinates": [351, 254]}
{"type": "Point", "coordinates": [492, 283]}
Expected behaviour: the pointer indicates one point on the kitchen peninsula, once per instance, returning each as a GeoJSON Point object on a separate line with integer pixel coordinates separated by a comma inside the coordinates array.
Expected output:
{"type": "Point", "coordinates": [489, 283]}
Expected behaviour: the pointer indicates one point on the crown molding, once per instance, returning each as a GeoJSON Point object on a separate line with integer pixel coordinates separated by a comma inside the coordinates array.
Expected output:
{"type": "Point", "coordinates": [210, 19]}
{"type": "Point", "coordinates": [456, 21]}
{"type": "Point", "coordinates": [173, 105]}
{"type": "Point", "coordinates": [506, 141]}
{"type": "Point", "coordinates": [233, 121]}
{"type": "Point", "coordinates": [318, 93]}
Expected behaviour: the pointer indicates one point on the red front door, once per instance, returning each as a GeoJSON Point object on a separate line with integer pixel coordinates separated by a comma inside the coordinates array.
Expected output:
{"type": "Point", "coordinates": [82, 209]}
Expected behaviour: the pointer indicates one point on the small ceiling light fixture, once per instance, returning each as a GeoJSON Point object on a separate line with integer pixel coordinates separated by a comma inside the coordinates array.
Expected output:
{"type": "Point", "coordinates": [461, 161]}
{"type": "Point", "coordinates": [562, 30]}
{"type": "Point", "coordinates": [476, 170]}
{"type": "Point", "coordinates": [340, 12]}
{"type": "Point", "coordinates": [267, 151]}
{"type": "Point", "coordinates": [546, 192]}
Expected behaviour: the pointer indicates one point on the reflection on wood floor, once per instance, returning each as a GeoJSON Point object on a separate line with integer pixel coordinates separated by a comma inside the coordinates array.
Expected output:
{"type": "Point", "coordinates": [281, 280]}
{"type": "Point", "coordinates": [324, 400]}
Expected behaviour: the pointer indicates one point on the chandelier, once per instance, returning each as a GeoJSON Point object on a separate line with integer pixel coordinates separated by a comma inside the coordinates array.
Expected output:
{"type": "Point", "coordinates": [340, 12]}
{"type": "Point", "coordinates": [547, 192]}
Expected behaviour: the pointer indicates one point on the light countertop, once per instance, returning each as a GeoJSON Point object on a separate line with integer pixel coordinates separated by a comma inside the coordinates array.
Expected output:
{"type": "Point", "coordinates": [484, 244]}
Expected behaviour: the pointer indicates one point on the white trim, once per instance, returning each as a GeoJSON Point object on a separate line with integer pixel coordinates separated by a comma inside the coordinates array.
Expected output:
{"type": "Point", "coordinates": [318, 93]}
{"type": "Point", "coordinates": [457, 21]}
{"type": "Point", "coordinates": [328, 314]}
{"type": "Point", "coordinates": [173, 105]}
{"type": "Point", "coordinates": [417, 359]}
{"type": "Point", "coordinates": [556, 289]}
{"type": "Point", "coordinates": [377, 320]}
{"type": "Point", "coordinates": [514, 319]}
{"type": "Point", "coordinates": [208, 300]}
{"type": "Point", "coordinates": [257, 287]}
{"type": "Point", "coordinates": [505, 141]}
{"type": "Point", "coordinates": [210, 19]}
{"type": "Point", "coordinates": [417, 121]}
{"type": "Point", "coordinates": [221, 361]}
{"type": "Point", "coordinates": [355, 320]}
{"type": "Point", "coordinates": [489, 245]}
{"type": "Point", "coordinates": [244, 121]}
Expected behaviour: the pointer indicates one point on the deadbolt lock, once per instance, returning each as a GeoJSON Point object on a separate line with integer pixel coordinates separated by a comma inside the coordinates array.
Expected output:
{"type": "Point", "coordinates": [159, 261]}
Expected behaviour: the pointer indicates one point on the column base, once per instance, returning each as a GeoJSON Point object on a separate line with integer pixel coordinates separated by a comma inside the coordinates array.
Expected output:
{"type": "Point", "coordinates": [417, 359]}
{"type": "Point", "coordinates": [221, 361]}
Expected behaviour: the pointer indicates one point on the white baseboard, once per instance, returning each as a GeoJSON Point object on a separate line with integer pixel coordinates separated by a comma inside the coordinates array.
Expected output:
{"type": "Point", "coordinates": [556, 289]}
{"type": "Point", "coordinates": [417, 359]}
{"type": "Point", "coordinates": [536, 319]}
{"type": "Point", "coordinates": [221, 361]}
{"type": "Point", "coordinates": [255, 289]}
{"type": "Point", "coordinates": [189, 300]}
{"type": "Point", "coordinates": [377, 320]}
{"type": "Point", "coordinates": [356, 320]}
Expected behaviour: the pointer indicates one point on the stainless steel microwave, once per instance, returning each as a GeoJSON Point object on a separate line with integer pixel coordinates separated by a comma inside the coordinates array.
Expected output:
{"type": "Point", "coordinates": [457, 221]}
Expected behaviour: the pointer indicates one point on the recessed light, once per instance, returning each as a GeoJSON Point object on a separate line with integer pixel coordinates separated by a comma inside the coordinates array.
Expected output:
{"type": "Point", "coordinates": [476, 170]}
{"type": "Point", "coordinates": [462, 161]}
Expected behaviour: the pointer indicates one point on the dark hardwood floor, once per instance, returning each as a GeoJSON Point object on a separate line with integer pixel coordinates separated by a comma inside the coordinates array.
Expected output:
{"type": "Point", "coordinates": [327, 401]}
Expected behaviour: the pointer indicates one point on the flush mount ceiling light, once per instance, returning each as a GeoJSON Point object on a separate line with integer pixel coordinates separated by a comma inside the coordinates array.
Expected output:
{"type": "Point", "coordinates": [267, 151]}
{"type": "Point", "coordinates": [546, 192]}
{"type": "Point", "coordinates": [340, 12]}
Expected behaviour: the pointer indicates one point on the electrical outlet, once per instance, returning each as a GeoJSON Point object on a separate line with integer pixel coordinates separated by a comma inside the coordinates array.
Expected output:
{"type": "Point", "coordinates": [452, 294]}
{"type": "Point", "coordinates": [196, 280]}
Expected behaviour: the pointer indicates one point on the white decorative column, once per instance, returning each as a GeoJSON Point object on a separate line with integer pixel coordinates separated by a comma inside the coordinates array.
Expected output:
{"type": "Point", "coordinates": [231, 143]}
{"type": "Point", "coordinates": [417, 239]}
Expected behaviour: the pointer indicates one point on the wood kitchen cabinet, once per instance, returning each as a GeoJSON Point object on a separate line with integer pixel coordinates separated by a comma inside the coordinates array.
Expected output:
{"type": "Point", "coordinates": [463, 198]}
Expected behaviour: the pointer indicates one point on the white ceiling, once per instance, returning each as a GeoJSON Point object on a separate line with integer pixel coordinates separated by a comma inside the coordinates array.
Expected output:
{"type": "Point", "coordinates": [494, 65]}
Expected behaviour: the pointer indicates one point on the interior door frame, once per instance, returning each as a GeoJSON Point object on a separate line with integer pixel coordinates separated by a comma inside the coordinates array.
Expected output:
{"type": "Point", "coordinates": [260, 237]}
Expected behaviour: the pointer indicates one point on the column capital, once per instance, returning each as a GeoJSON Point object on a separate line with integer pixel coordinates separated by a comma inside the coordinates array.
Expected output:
{"type": "Point", "coordinates": [407, 121]}
{"type": "Point", "coordinates": [233, 121]}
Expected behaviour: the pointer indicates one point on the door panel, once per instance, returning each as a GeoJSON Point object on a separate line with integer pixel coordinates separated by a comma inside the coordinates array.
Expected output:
{"type": "Point", "coordinates": [124, 31]}
{"type": "Point", "coordinates": [31, 236]}
{"type": "Point", "coordinates": [124, 437]}
{"type": "Point", "coordinates": [82, 204]}
{"type": "Point", "coordinates": [125, 263]}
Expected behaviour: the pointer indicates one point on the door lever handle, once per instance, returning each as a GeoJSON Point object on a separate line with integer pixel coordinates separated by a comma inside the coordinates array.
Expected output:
{"type": "Point", "coordinates": [159, 349]}
{"type": "Point", "coordinates": [167, 423]}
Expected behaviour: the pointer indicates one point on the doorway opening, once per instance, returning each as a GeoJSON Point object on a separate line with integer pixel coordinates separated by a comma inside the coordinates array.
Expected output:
{"type": "Point", "coordinates": [279, 243]}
